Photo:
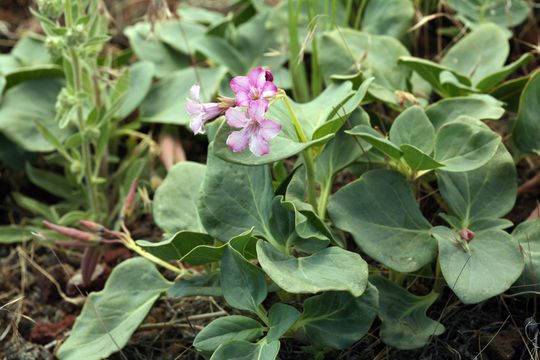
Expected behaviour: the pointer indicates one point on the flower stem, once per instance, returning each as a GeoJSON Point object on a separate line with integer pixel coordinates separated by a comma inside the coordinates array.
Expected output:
{"type": "Point", "coordinates": [130, 244]}
{"type": "Point", "coordinates": [306, 154]}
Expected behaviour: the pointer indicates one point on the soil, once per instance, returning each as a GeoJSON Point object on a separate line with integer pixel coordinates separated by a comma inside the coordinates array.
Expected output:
{"type": "Point", "coordinates": [35, 318]}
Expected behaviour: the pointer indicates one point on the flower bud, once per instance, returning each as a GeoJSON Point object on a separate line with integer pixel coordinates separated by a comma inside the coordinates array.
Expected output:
{"type": "Point", "coordinates": [76, 35]}
{"type": "Point", "coordinates": [51, 8]}
{"type": "Point", "coordinates": [55, 46]}
{"type": "Point", "coordinates": [65, 101]}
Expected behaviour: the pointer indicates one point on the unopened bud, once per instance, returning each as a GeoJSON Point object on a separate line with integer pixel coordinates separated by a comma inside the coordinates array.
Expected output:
{"type": "Point", "coordinates": [55, 46]}
{"type": "Point", "coordinates": [268, 75]}
{"type": "Point", "coordinates": [65, 101]}
{"type": "Point", "coordinates": [72, 233]}
{"type": "Point", "coordinates": [51, 8]}
{"type": "Point", "coordinates": [76, 35]}
{"type": "Point", "coordinates": [92, 226]}
{"type": "Point", "coordinates": [466, 235]}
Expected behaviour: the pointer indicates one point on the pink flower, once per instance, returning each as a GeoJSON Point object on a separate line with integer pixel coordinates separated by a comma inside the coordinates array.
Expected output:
{"type": "Point", "coordinates": [256, 130]}
{"type": "Point", "coordinates": [256, 86]}
{"type": "Point", "coordinates": [202, 112]}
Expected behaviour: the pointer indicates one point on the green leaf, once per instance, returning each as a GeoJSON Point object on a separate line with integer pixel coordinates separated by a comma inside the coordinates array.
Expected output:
{"type": "Point", "coordinates": [234, 198]}
{"type": "Point", "coordinates": [465, 144]}
{"type": "Point", "coordinates": [340, 152]}
{"type": "Point", "coordinates": [204, 285]}
{"type": "Point", "coordinates": [478, 54]}
{"type": "Point", "coordinates": [503, 13]}
{"type": "Point", "coordinates": [373, 137]}
{"type": "Point", "coordinates": [140, 80]}
{"type": "Point", "coordinates": [196, 14]}
{"type": "Point", "coordinates": [493, 79]}
{"type": "Point", "coordinates": [54, 183]}
{"type": "Point", "coordinates": [280, 319]}
{"type": "Point", "coordinates": [509, 92]}
{"type": "Point", "coordinates": [417, 159]}
{"type": "Point", "coordinates": [149, 48]}
{"type": "Point", "coordinates": [166, 101]}
{"type": "Point", "coordinates": [25, 103]}
{"type": "Point", "coordinates": [176, 247]}
{"type": "Point", "coordinates": [527, 235]}
{"type": "Point", "coordinates": [30, 51]}
{"type": "Point", "coordinates": [405, 325]}
{"type": "Point", "coordinates": [22, 74]}
{"type": "Point", "coordinates": [489, 191]}
{"type": "Point", "coordinates": [391, 17]}
{"type": "Point", "coordinates": [35, 207]}
{"type": "Point", "coordinates": [282, 146]}
{"type": "Point", "coordinates": [243, 284]}
{"type": "Point", "coordinates": [243, 350]}
{"type": "Point", "coordinates": [412, 127]}
{"type": "Point", "coordinates": [175, 200]}
{"type": "Point", "coordinates": [381, 213]}
{"type": "Point", "coordinates": [444, 80]}
{"type": "Point", "coordinates": [332, 268]}
{"type": "Point", "coordinates": [340, 51]}
{"type": "Point", "coordinates": [13, 234]}
{"type": "Point", "coordinates": [338, 319]}
{"type": "Point", "coordinates": [219, 50]}
{"type": "Point", "coordinates": [225, 329]}
{"type": "Point", "coordinates": [481, 107]}
{"type": "Point", "coordinates": [116, 311]}
{"type": "Point", "coordinates": [490, 266]}
{"type": "Point", "coordinates": [526, 131]}
{"type": "Point", "coordinates": [179, 35]}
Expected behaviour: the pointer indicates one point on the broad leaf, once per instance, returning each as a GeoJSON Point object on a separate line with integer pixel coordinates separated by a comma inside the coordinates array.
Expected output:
{"type": "Point", "coordinates": [25, 103]}
{"type": "Point", "coordinates": [338, 319]}
{"type": "Point", "coordinates": [149, 48]}
{"type": "Point", "coordinates": [444, 80]}
{"type": "Point", "coordinates": [225, 329]}
{"type": "Point", "coordinates": [465, 144]}
{"type": "Point", "coordinates": [527, 234]}
{"type": "Point", "coordinates": [332, 268]}
{"type": "Point", "coordinates": [243, 284]}
{"type": "Point", "coordinates": [501, 12]}
{"type": "Point", "coordinates": [178, 245]}
{"type": "Point", "coordinates": [180, 35]}
{"type": "Point", "coordinates": [140, 80]}
{"type": "Point", "coordinates": [116, 311]}
{"type": "Point", "coordinates": [489, 191]}
{"type": "Point", "coordinates": [280, 319]}
{"type": "Point", "coordinates": [509, 92]}
{"type": "Point", "coordinates": [493, 79]}
{"type": "Point", "coordinates": [481, 107]}
{"type": "Point", "coordinates": [243, 350]}
{"type": "Point", "coordinates": [526, 130]}
{"type": "Point", "coordinates": [487, 266]}
{"type": "Point", "coordinates": [374, 138]}
{"type": "Point", "coordinates": [417, 159]}
{"type": "Point", "coordinates": [478, 54]}
{"type": "Point", "coordinates": [413, 127]}
{"type": "Point", "coordinates": [341, 50]}
{"type": "Point", "coordinates": [203, 285]}
{"type": "Point", "coordinates": [175, 201]}
{"type": "Point", "coordinates": [390, 17]}
{"type": "Point", "coordinates": [166, 101]}
{"type": "Point", "coordinates": [235, 198]}
{"type": "Point", "coordinates": [404, 322]}
{"type": "Point", "coordinates": [380, 211]}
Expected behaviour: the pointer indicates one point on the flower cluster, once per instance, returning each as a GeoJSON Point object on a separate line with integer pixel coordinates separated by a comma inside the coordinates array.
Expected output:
{"type": "Point", "coordinates": [253, 92]}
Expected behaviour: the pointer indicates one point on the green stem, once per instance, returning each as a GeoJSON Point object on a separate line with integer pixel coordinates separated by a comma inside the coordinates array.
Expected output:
{"type": "Point", "coordinates": [316, 79]}
{"type": "Point", "coordinates": [348, 9]}
{"type": "Point", "coordinates": [306, 154]}
{"type": "Point", "coordinates": [438, 285]}
{"type": "Point", "coordinates": [261, 313]}
{"type": "Point", "coordinates": [333, 14]}
{"type": "Point", "coordinates": [297, 69]}
{"type": "Point", "coordinates": [359, 15]}
{"type": "Point", "coordinates": [130, 244]}
{"type": "Point", "coordinates": [323, 198]}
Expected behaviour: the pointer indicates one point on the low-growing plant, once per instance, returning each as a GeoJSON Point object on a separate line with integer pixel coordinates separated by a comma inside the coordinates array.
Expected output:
{"type": "Point", "coordinates": [269, 212]}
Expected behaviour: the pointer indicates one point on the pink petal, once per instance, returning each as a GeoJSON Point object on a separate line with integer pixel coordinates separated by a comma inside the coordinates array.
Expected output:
{"type": "Point", "coordinates": [238, 140]}
{"type": "Point", "coordinates": [197, 124]}
{"type": "Point", "coordinates": [268, 90]}
{"type": "Point", "coordinates": [193, 108]}
{"type": "Point", "coordinates": [211, 111]}
{"type": "Point", "coordinates": [240, 84]}
{"type": "Point", "coordinates": [258, 145]}
{"type": "Point", "coordinates": [242, 99]}
{"type": "Point", "coordinates": [257, 108]}
{"type": "Point", "coordinates": [257, 77]}
{"type": "Point", "coordinates": [195, 92]}
{"type": "Point", "coordinates": [269, 128]}
{"type": "Point", "coordinates": [236, 118]}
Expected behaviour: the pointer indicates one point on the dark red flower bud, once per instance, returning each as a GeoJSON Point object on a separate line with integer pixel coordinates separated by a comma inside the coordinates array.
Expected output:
{"type": "Point", "coordinates": [269, 76]}
{"type": "Point", "coordinates": [72, 233]}
{"type": "Point", "coordinates": [466, 235]}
